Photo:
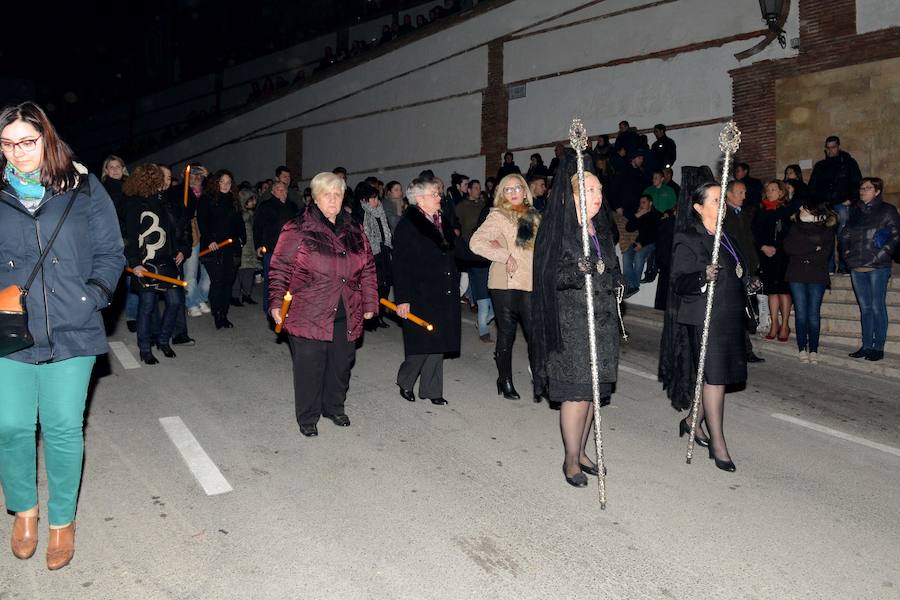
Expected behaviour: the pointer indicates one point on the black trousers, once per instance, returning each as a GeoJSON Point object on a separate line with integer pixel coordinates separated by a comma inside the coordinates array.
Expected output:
{"type": "Point", "coordinates": [428, 369]}
{"type": "Point", "coordinates": [321, 375]}
{"type": "Point", "coordinates": [511, 307]}
{"type": "Point", "coordinates": [220, 268]}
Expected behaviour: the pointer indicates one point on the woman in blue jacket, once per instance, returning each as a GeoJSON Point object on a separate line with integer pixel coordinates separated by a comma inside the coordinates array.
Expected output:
{"type": "Point", "coordinates": [50, 378]}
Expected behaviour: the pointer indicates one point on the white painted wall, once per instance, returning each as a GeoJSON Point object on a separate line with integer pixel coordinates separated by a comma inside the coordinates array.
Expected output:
{"type": "Point", "coordinates": [872, 15]}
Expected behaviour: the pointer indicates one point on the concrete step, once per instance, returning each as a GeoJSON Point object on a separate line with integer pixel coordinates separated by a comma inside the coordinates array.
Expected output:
{"type": "Point", "coordinates": [846, 296]}
{"type": "Point", "coordinates": [851, 327]}
{"type": "Point", "coordinates": [842, 282]}
{"type": "Point", "coordinates": [850, 312]}
{"type": "Point", "coordinates": [852, 341]}
{"type": "Point", "coordinates": [830, 355]}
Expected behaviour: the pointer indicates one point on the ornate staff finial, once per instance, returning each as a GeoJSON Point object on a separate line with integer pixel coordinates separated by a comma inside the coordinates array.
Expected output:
{"type": "Point", "coordinates": [730, 138]}
{"type": "Point", "coordinates": [578, 135]}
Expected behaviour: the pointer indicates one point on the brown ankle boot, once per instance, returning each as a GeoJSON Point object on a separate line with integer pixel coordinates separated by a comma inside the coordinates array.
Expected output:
{"type": "Point", "coordinates": [24, 536]}
{"type": "Point", "coordinates": [61, 547]}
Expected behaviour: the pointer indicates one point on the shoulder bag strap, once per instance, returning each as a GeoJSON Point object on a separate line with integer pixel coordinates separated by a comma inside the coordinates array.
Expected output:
{"type": "Point", "coordinates": [49, 245]}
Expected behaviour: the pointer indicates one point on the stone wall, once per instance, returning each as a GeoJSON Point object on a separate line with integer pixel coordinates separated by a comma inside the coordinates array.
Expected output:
{"type": "Point", "coordinates": [858, 103]}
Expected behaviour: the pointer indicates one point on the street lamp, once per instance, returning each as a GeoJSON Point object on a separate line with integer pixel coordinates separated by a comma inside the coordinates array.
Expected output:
{"type": "Point", "coordinates": [771, 13]}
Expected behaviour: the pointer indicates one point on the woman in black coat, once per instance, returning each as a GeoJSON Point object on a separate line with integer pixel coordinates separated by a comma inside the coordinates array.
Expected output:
{"type": "Point", "coordinates": [155, 241]}
{"type": "Point", "coordinates": [770, 227]}
{"type": "Point", "coordinates": [726, 359]}
{"type": "Point", "coordinates": [561, 341]}
{"type": "Point", "coordinates": [426, 282]}
{"type": "Point", "coordinates": [219, 218]}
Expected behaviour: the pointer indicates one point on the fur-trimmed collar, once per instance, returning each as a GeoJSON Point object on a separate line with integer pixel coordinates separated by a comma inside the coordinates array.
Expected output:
{"type": "Point", "coordinates": [427, 229]}
{"type": "Point", "coordinates": [526, 223]}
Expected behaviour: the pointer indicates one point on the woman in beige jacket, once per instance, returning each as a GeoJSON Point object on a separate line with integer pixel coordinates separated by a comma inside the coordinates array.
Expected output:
{"type": "Point", "coordinates": [506, 238]}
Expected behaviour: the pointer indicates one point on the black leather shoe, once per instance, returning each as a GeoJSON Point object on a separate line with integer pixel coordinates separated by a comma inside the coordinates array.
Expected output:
{"type": "Point", "coordinates": [540, 395]}
{"type": "Point", "coordinates": [506, 389]}
{"type": "Point", "coordinates": [248, 300]}
{"type": "Point", "coordinates": [309, 430]}
{"type": "Point", "coordinates": [725, 465]}
{"type": "Point", "coordinates": [407, 395]}
{"type": "Point", "coordinates": [577, 480]}
{"type": "Point", "coordinates": [341, 420]}
{"type": "Point", "coordinates": [875, 355]}
{"type": "Point", "coordinates": [438, 401]}
{"type": "Point", "coordinates": [382, 324]}
{"type": "Point", "coordinates": [753, 358]}
{"type": "Point", "coordinates": [148, 359]}
{"type": "Point", "coordinates": [861, 353]}
{"type": "Point", "coordinates": [183, 340]}
{"type": "Point", "coordinates": [236, 302]}
{"type": "Point", "coordinates": [131, 325]}
{"type": "Point", "coordinates": [166, 350]}
{"type": "Point", "coordinates": [684, 428]}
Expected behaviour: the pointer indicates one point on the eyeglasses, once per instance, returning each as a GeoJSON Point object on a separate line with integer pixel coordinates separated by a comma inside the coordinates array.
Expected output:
{"type": "Point", "coordinates": [513, 188]}
{"type": "Point", "coordinates": [25, 145]}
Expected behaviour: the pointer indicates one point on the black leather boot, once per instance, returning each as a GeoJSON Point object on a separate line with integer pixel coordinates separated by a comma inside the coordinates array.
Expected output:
{"type": "Point", "coordinates": [505, 387]}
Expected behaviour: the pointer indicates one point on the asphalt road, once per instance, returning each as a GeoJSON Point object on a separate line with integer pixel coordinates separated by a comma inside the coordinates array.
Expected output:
{"type": "Point", "coordinates": [468, 500]}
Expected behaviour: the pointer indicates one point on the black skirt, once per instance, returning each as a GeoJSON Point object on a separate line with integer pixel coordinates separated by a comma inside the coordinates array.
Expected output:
{"type": "Point", "coordinates": [772, 271]}
{"type": "Point", "coordinates": [726, 356]}
{"type": "Point", "coordinates": [562, 391]}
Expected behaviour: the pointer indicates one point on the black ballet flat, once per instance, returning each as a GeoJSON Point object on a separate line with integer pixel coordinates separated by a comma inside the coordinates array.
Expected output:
{"type": "Point", "coordinates": [591, 469]}
{"type": "Point", "coordinates": [684, 428]}
{"type": "Point", "coordinates": [577, 480]}
{"type": "Point", "coordinates": [407, 395]}
{"type": "Point", "coordinates": [725, 465]}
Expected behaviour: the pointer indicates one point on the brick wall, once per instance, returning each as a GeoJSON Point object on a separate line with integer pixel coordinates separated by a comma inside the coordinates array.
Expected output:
{"type": "Point", "coordinates": [828, 40]}
{"type": "Point", "coordinates": [494, 111]}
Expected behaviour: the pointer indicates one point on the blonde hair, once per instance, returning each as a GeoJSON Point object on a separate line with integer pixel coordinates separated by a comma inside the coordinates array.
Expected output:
{"type": "Point", "coordinates": [326, 181]}
{"type": "Point", "coordinates": [500, 200]}
{"type": "Point", "coordinates": [575, 187]}
{"type": "Point", "coordinates": [109, 159]}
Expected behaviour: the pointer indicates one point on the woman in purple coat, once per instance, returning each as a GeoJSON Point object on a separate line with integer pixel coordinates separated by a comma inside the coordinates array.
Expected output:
{"type": "Point", "coordinates": [323, 258]}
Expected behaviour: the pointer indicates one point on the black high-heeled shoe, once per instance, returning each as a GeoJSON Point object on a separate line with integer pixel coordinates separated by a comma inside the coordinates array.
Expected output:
{"type": "Point", "coordinates": [591, 469]}
{"type": "Point", "coordinates": [684, 428]}
{"type": "Point", "coordinates": [725, 465]}
{"type": "Point", "coordinates": [506, 389]}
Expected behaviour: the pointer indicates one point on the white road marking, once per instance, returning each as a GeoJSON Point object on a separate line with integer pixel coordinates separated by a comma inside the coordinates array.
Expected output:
{"type": "Point", "coordinates": [124, 355]}
{"type": "Point", "coordinates": [637, 372]}
{"type": "Point", "coordinates": [838, 434]}
{"type": "Point", "coordinates": [198, 461]}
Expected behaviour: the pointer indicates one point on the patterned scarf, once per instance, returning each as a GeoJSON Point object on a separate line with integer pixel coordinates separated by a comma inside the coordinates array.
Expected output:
{"type": "Point", "coordinates": [27, 186]}
{"type": "Point", "coordinates": [376, 225]}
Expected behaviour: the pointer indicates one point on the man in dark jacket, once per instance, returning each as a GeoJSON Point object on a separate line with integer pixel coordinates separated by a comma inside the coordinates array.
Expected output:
{"type": "Point", "coordinates": [509, 166]}
{"type": "Point", "coordinates": [627, 138]}
{"type": "Point", "coordinates": [663, 148]}
{"type": "Point", "coordinates": [628, 186]}
{"type": "Point", "coordinates": [754, 187]}
{"type": "Point", "coordinates": [738, 227]}
{"type": "Point", "coordinates": [270, 217]}
{"type": "Point", "coordinates": [835, 180]}
{"type": "Point", "coordinates": [646, 222]}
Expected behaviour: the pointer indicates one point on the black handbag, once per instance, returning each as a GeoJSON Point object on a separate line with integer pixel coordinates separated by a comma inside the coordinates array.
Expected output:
{"type": "Point", "coordinates": [14, 333]}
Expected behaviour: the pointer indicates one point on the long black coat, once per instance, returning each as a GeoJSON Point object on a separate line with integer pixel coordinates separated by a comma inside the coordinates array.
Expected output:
{"type": "Point", "coordinates": [425, 276]}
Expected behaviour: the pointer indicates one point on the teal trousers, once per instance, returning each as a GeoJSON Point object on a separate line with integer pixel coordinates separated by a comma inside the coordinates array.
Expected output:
{"type": "Point", "coordinates": [53, 394]}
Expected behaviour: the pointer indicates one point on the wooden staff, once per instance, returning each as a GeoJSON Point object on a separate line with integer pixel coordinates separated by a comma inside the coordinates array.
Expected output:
{"type": "Point", "coordinates": [158, 277]}
{"type": "Point", "coordinates": [221, 244]}
{"type": "Point", "coordinates": [410, 317]}
{"type": "Point", "coordinates": [729, 141]}
{"type": "Point", "coordinates": [285, 305]}
{"type": "Point", "coordinates": [579, 140]}
{"type": "Point", "coordinates": [187, 184]}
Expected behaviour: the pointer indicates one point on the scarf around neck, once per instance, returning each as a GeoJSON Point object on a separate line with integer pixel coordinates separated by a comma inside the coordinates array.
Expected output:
{"type": "Point", "coordinates": [376, 226]}
{"type": "Point", "coordinates": [27, 186]}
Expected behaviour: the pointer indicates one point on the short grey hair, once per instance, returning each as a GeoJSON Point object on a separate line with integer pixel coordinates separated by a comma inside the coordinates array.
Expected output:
{"type": "Point", "coordinates": [418, 187]}
{"type": "Point", "coordinates": [326, 181]}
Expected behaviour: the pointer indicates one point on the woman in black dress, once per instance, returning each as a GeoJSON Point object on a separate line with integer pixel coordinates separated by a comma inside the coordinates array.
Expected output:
{"type": "Point", "coordinates": [559, 311]}
{"type": "Point", "coordinates": [726, 360]}
{"type": "Point", "coordinates": [770, 227]}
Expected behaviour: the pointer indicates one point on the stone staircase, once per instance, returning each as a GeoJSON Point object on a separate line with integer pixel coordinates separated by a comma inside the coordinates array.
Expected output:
{"type": "Point", "coordinates": [840, 315]}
